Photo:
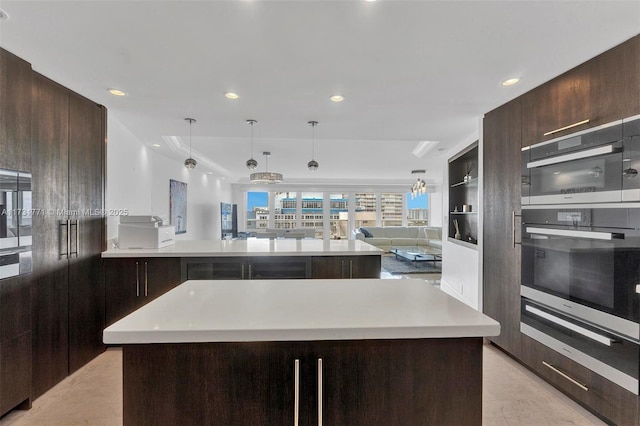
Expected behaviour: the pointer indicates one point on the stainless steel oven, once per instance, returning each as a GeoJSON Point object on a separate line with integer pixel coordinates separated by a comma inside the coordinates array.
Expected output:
{"type": "Point", "coordinates": [580, 276]}
{"type": "Point", "coordinates": [592, 166]}
{"type": "Point", "coordinates": [15, 223]}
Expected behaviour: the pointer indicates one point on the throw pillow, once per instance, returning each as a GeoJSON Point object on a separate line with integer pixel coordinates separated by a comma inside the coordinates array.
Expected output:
{"type": "Point", "coordinates": [366, 232]}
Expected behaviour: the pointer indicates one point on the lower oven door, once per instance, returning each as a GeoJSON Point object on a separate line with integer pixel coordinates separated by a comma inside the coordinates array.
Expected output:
{"type": "Point", "coordinates": [597, 268]}
{"type": "Point", "coordinates": [607, 354]}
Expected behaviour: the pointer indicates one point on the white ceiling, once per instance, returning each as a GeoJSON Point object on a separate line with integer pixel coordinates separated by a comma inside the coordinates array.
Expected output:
{"type": "Point", "coordinates": [409, 70]}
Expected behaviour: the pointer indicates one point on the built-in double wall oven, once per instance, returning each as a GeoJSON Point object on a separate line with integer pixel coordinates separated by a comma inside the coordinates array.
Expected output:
{"type": "Point", "coordinates": [581, 249]}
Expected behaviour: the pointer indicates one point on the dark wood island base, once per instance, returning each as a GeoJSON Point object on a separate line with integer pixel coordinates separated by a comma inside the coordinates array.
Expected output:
{"type": "Point", "coordinates": [435, 381]}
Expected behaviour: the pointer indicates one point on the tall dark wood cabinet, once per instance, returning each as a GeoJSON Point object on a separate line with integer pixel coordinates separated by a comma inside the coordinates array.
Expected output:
{"type": "Point", "coordinates": [69, 135]}
{"type": "Point", "coordinates": [15, 112]}
{"type": "Point", "coordinates": [15, 298]}
{"type": "Point", "coordinates": [501, 213]}
{"type": "Point", "coordinates": [49, 287]}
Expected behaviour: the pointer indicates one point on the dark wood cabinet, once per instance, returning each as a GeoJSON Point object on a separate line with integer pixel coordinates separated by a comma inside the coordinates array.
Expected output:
{"type": "Point", "coordinates": [246, 268]}
{"type": "Point", "coordinates": [501, 213]}
{"type": "Point", "coordinates": [603, 89]}
{"type": "Point", "coordinates": [364, 382]}
{"type": "Point", "coordinates": [15, 343]}
{"type": "Point", "coordinates": [132, 283]}
{"type": "Point", "coordinates": [15, 112]}
{"type": "Point", "coordinates": [596, 393]}
{"type": "Point", "coordinates": [338, 267]}
{"type": "Point", "coordinates": [68, 187]}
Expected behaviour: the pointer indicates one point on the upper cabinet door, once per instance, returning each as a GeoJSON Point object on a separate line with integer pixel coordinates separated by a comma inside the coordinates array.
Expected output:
{"type": "Point", "coordinates": [15, 112]}
{"type": "Point", "coordinates": [603, 89]}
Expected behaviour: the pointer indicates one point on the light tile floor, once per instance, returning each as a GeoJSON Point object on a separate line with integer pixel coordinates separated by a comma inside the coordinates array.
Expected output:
{"type": "Point", "coordinates": [512, 396]}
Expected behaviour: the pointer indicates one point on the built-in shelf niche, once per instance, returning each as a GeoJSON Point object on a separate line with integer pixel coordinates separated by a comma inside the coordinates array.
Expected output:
{"type": "Point", "coordinates": [463, 196]}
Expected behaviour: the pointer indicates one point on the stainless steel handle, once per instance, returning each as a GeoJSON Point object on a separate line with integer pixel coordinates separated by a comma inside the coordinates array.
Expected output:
{"type": "Point", "coordinates": [250, 272]}
{"type": "Point", "coordinates": [569, 325]}
{"type": "Point", "coordinates": [350, 268]}
{"type": "Point", "coordinates": [296, 392]}
{"type": "Point", "coordinates": [68, 237]}
{"type": "Point", "coordinates": [574, 234]}
{"type": "Point", "coordinates": [242, 267]}
{"type": "Point", "coordinates": [137, 280]}
{"type": "Point", "coordinates": [60, 225]}
{"type": "Point", "coordinates": [572, 380]}
{"type": "Point", "coordinates": [513, 227]}
{"type": "Point", "coordinates": [77, 237]}
{"type": "Point", "coordinates": [607, 149]}
{"type": "Point", "coordinates": [570, 126]}
{"type": "Point", "coordinates": [342, 269]}
{"type": "Point", "coordinates": [75, 223]}
{"type": "Point", "coordinates": [319, 391]}
{"type": "Point", "coordinates": [146, 280]}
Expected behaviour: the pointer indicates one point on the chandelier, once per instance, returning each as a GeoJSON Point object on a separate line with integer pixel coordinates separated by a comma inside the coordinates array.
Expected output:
{"type": "Point", "coordinates": [190, 163]}
{"type": "Point", "coordinates": [266, 176]}
{"type": "Point", "coordinates": [419, 187]}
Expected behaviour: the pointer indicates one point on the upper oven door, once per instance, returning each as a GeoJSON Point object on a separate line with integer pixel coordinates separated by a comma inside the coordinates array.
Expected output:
{"type": "Point", "coordinates": [590, 265]}
{"type": "Point", "coordinates": [585, 167]}
{"type": "Point", "coordinates": [631, 160]}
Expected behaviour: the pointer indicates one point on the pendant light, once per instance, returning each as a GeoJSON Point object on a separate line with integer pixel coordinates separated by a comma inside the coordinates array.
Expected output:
{"type": "Point", "coordinates": [313, 164]}
{"type": "Point", "coordinates": [419, 187]}
{"type": "Point", "coordinates": [251, 163]}
{"type": "Point", "coordinates": [266, 176]}
{"type": "Point", "coordinates": [190, 163]}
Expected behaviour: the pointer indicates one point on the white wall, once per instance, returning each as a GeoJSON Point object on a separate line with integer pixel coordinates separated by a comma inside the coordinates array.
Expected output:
{"type": "Point", "coordinates": [138, 180]}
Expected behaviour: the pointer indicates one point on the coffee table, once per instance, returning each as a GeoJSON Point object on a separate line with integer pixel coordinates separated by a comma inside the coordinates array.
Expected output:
{"type": "Point", "coordinates": [417, 254]}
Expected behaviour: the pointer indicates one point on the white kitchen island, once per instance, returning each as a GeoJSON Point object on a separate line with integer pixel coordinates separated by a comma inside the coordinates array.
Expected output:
{"type": "Point", "coordinates": [306, 352]}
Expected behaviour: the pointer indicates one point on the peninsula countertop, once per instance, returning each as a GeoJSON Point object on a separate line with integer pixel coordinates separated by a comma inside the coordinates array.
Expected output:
{"type": "Point", "coordinates": [300, 310]}
{"type": "Point", "coordinates": [251, 247]}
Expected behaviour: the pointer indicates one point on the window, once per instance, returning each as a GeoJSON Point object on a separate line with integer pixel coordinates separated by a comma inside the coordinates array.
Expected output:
{"type": "Point", "coordinates": [418, 210]}
{"type": "Point", "coordinates": [285, 210]}
{"type": "Point", "coordinates": [339, 216]}
{"type": "Point", "coordinates": [312, 214]}
{"type": "Point", "coordinates": [391, 208]}
{"type": "Point", "coordinates": [365, 209]}
{"type": "Point", "coordinates": [257, 210]}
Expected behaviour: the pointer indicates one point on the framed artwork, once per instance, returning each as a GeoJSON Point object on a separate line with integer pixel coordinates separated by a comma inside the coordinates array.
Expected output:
{"type": "Point", "coordinates": [178, 205]}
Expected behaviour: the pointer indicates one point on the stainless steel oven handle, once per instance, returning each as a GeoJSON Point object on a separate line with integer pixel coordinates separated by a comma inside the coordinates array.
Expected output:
{"type": "Point", "coordinates": [570, 126]}
{"type": "Point", "coordinates": [569, 325]}
{"type": "Point", "coordinates": [513, 227]}
{"type": "Point", "coordinates": [587, 153]}
{"type": "Point", "coordinates": [574, 234]}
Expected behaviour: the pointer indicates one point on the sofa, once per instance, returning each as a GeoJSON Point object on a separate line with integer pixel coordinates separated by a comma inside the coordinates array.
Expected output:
{"type": "Point", "coordinates": [391, 236]}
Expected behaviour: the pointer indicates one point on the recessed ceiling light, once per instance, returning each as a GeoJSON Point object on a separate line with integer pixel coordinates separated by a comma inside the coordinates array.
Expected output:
{"type": "Point", "coordinates": [510, 82]}
{"type": "Point", "coordinates": [117, 92]}
{"type": "Point", "coordinates": [3, 15]}
{"type": "Point", "coordinates": [231, 95]}
{"type": "Point", "coordinates": [156, 145]}
{"type": "Point", "coordinates": [337, 98]}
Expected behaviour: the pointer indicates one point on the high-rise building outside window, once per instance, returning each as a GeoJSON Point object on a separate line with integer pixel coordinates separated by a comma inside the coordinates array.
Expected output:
{"type": "Point", "coordinates": [257, 210]}
{"type": "Point", "coordinates": [339, 216]}
{"type": "Point", "coordinates": [312, 214]}
{"type": "Point", "coordinates": [391, 208]}
{"type": "Point", "coordinates": [285, 210]}
{"type": "Point", "coordinates": [365, 209]}
{"type": "Point", "coordinates": [418, 210]}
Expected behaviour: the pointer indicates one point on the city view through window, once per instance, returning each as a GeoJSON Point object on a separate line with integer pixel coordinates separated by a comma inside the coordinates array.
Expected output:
{"type": "Point", "coordinates": [370, 209]}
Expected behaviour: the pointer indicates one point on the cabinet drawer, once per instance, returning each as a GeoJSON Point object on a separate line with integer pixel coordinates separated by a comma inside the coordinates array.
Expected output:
{"type": "Point", "coordinates": [591, 390]}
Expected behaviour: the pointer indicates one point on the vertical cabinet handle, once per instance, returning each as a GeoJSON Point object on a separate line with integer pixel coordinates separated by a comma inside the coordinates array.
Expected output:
{"type": "Point", "coordinates": [513, 227]}
{"type": "Point", "coordinates": [68, 237]}
{"type": "Point", "coordinates": [350, 270]}
{"type": "Point", "coordinates": [242, 267]}
{"type": "Point", "coordinates": [77, 237]}
{"type": "Point", "coordinates": [342, 269]}
{"type": "Point", "coordinates": [60, 226]}
{"type": "Point", "coordinates": [76, 224]}
{"type": "Point", "coordinates": [296, 392]}
{"type": "Point", "coordinates": [146, 280]}
{"type": "Point", "coordinates": [319, 391]}
{"type": "Point", "coordinates": [137, 280]}
{"type": "Point", "coordinates": [250, 272]}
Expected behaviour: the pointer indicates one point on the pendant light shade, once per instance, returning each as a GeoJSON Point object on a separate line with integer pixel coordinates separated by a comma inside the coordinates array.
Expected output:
{"type": "Point", "coordinates": [251, 163]}
{"type": "Point", "coordinates": [419, 187]}
{"type": "Point", "coordinates": [190, 163]}
{"type": "Point", "coordinates": [313, 164]}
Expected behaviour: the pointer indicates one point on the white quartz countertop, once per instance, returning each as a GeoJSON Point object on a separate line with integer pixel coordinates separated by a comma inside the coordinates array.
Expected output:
{"type": "Point", "coordinates": [252, 247]}
{"type": "Point", "coordinates": [300, 310]}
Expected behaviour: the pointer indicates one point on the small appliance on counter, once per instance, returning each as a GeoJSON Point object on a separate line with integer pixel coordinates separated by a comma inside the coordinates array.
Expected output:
{"type": "Point", "coordinates": [144, 232]}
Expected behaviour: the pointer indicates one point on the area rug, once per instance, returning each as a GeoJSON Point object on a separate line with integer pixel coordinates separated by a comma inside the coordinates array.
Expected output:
{"type": "Point", "coordinates": [402, 266]}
